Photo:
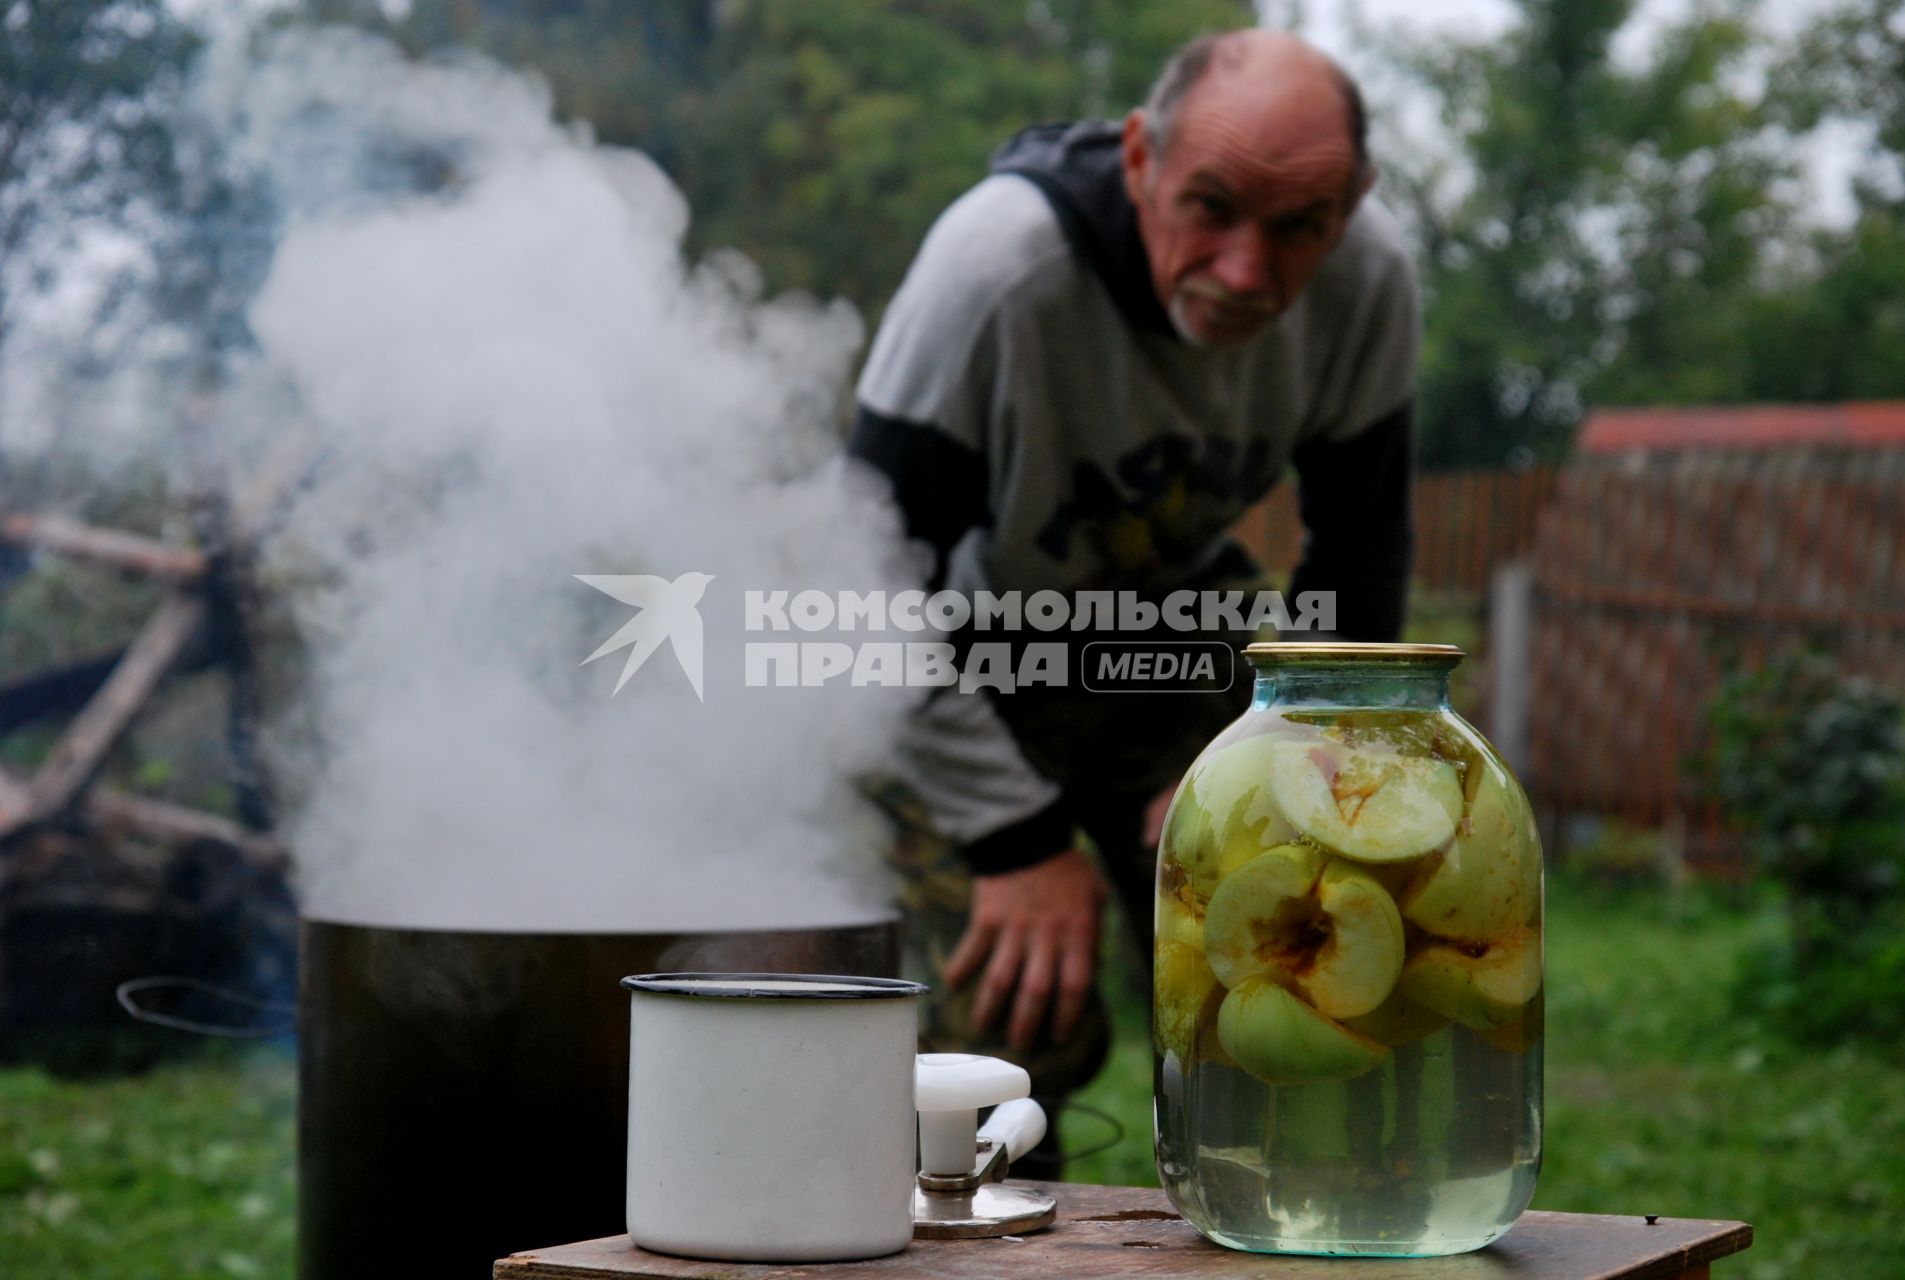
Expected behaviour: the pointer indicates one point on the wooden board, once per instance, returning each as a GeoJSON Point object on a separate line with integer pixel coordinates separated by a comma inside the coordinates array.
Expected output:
{"type": "Point", "coordinates": [111, 547]}
{"type": "Point", "coordinates": [81, 750]}
{"type": "Point", "coordinates": [1129, 1231]}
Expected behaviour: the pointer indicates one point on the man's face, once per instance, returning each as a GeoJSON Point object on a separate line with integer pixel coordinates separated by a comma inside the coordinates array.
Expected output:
{"type": "Point", "coordinates": [1251, 193]}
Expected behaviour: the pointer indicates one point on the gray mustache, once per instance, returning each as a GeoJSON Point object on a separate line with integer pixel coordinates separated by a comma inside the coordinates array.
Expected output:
{"type": "Point", "coordinates": [1211, 291]}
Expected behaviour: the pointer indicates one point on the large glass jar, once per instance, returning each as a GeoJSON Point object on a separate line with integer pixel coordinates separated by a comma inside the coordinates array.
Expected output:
{"type": "Point", "coordinates": [1348, 990]}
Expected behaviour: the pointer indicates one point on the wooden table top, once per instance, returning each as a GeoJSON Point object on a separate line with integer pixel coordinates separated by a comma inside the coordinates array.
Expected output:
{"type": "Point", "coordinates": [1133, 1231]}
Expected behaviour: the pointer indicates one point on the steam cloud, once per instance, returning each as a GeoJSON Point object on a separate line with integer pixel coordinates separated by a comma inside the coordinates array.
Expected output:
{"type": "Point", "coordinates": [514, 378]}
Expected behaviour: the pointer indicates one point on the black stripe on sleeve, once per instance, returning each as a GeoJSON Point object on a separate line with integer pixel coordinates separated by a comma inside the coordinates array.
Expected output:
{"type": "Point", "coordinates": [1359, 539]}
{"type": "Point", "coordinates": [1042, 835]}
{"type": "Point", "coordinates": [939, 483]}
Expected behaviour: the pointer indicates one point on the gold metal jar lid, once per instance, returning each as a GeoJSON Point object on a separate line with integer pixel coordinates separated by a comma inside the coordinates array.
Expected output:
{"type": "Point", "coordinates": [1323, 651]}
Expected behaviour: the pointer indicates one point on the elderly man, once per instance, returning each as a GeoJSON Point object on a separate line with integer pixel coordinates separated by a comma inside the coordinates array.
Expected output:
{"type": "Point", "coordinates": [1102, 355]}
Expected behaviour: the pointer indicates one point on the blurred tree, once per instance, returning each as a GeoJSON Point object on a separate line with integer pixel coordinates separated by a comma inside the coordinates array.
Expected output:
{"type": "Point", "coordinates": [1702, 215]}
{"type": "Point", "coordinates": [1835, 324]}
{"type": "Point", "coordinates": [622, 68]}
{"type": "Point", "coordinates": [1596, 234]}
{"type": "Point", "coordinates": [82, 126]}
{"type": "Point", "coordinates": [838, 132]}
{"type": "Point", "coordinates": [1606, 230]}
{"type": "Point", "coordinates": [822, 138]}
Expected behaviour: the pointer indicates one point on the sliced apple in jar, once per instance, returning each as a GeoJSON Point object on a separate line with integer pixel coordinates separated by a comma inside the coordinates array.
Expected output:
{"type": "Point", "coordinates": [1487, 880]}
{"type": "Point", "coordinates": [1178, 922]}
{"type": "Point", "coordinates": [1398, 1021]}
{"type": "Point", "coordinates": [1183, 992]}
{"type": "Point", "coordinates": [1280, 1040]}
{"type": "Point", "coordinates": [1357, 967]}
{"type": "Point", "coordinates": [1481, 986]}
{"type": "Point", "coordinates": [1210, 1047]}
{"type": "Point", "coordinates": [1262, 917]}
{"type": "Point", "coordinates": [1186, 827]}
{"type": "Point", "coordinates": [1520, 1033]}
{"type": "Point", "coordinates": [1366, 801]}
{"type": "Point", "coordinates": [1396, 877]}
{"type": "Point", "coordinates": [1230, 817]}
{"type": "Point", "coordinates": [1315, 924]}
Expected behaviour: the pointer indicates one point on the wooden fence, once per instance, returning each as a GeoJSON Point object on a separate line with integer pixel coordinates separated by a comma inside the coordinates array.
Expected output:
{"type": "Point", "coordinates": [1466, 523]}
{"type": "Point", "coordinates": [1654, 577]}
{"type": "Point", "coordinates": [1651, 576]}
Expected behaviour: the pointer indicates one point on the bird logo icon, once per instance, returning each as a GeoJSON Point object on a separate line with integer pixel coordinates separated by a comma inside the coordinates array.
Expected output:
{"type": "Point", "coordinates": [667, 613]}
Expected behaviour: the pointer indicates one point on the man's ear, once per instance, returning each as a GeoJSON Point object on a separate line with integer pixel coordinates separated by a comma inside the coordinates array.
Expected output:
{"type": "Point", "coordinates": [1136, 154]}
{"type": "Point", "coordinates": [1364, 181]}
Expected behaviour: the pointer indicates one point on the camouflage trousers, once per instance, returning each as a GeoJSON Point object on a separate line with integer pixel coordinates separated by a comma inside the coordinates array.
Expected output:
{"type": "Point", "coordinates": [935, 890]}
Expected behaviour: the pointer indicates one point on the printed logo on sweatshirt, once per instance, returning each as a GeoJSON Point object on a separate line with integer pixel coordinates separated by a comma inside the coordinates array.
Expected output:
{"type": "Point", "coordinates": [1157, 511]}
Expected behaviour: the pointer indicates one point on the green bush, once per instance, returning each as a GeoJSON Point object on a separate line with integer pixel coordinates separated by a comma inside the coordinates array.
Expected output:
{"type": "Point", "coordinates": [1812, 761]}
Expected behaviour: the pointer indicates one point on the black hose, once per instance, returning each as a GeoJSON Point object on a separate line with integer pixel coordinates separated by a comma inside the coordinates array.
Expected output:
{"type": "Point", "coordinates": [126, 991]}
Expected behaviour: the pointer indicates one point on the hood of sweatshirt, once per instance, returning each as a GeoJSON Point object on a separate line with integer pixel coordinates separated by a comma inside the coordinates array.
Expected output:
{"type": "Point", "coordinates": [1080, 169]}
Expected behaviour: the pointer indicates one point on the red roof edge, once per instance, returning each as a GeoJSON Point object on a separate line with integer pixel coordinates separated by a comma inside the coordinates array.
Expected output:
{"type": "Point", "coordinates": [1863, 424]}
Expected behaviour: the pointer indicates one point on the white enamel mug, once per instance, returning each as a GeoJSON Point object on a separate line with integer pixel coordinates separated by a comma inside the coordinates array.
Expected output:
{"type": "Point", "coordinates": [770, 1115]}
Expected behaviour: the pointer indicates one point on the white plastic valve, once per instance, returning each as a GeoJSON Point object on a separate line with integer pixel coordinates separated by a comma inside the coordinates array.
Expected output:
{"type": "Point", "coordinates": [1018, 1126]}
{"type": "Point", "coordinates": [949, 1089]}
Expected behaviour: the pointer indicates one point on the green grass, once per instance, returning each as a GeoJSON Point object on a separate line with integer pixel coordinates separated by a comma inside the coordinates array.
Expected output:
{"type": "Point", "coordinates": [1660, 1100]}
{"type": "Point", "coordinates": [184, 1171]}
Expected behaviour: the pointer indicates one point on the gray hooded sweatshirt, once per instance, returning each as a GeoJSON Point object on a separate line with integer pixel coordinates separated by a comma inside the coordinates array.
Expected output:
{"type": "Point", "coordinates": [1044, 427]}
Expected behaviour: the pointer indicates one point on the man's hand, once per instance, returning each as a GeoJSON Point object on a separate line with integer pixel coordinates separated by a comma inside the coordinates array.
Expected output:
{"type": "Point", "coordinates": [1036, 932]}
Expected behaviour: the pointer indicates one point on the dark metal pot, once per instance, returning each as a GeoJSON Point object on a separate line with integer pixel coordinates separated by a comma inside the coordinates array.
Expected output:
{"type": "Point", "coordinates": [462, 1096]}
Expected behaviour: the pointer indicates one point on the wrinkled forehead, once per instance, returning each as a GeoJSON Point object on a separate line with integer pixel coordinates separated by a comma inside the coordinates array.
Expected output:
{"type": "Point", "coordinates": [1265, 136]}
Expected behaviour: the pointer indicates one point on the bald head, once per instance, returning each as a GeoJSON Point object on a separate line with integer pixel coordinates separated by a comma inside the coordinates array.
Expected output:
{"type": "Point", "coordinates": [1270, 62]}
{"type": "Point", "coordinates": [1244, 169]}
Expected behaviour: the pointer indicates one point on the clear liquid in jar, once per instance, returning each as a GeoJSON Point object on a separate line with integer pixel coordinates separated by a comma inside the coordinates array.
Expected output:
{"type": "Point", "coordinates": [1434, 1152]}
